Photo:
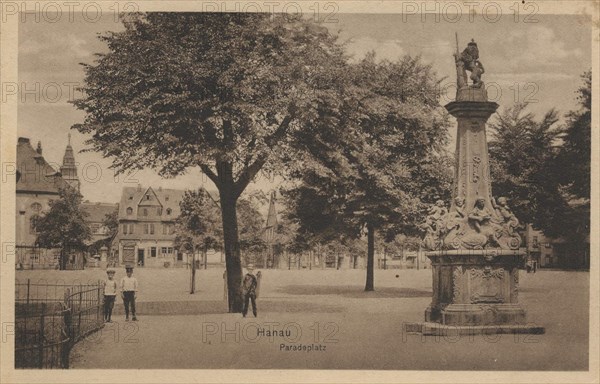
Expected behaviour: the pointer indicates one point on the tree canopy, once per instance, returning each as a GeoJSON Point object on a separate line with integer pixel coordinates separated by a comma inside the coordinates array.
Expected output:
{"type": "Point", "coordinates": [544, 168]}
{"type": "Point", "coordinates": [375, 167]}
{"type": "Point", "coordinates": [64, 225]}
{"type": "Point", "coordinates": [218, 91]}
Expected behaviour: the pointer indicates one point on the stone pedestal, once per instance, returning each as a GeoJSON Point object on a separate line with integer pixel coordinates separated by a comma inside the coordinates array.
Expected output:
{"type": "Point", "coordinates": [475, 288]}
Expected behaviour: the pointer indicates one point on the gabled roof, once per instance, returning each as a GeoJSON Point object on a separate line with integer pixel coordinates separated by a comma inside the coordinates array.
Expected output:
{"type": "Point", "coordinates": [154, 200]}
{"type": "Point", "coordinates": [97, 211]}
{"type": "Point", "coordinates": [168, 198]}
{"type": "Point", "coordinates": [34, 174]}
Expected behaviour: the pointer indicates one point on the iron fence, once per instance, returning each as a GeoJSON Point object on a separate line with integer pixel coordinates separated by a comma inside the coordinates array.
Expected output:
{"type": "Point", "coordinates": [51, 318]}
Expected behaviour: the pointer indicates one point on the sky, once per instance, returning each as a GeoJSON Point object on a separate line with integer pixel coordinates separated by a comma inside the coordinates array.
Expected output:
{"type": "Point", "coordinates": [536, 62]}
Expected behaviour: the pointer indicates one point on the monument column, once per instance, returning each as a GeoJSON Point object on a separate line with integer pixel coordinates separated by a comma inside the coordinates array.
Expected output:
{"type": "Point", "coordinates": [473, 246]}
{"type": "Point", "coordinates": [471, 174]}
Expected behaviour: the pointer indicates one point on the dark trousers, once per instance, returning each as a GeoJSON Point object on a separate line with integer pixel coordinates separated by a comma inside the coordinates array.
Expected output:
{"type": "Point", "coordinates": [129, 299]}
{"type": "Point", "coordinates": [109, 303]}
{"type": "Point", "coordinates": [247, 298]}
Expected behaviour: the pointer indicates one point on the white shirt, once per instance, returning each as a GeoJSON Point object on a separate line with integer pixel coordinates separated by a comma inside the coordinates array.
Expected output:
{"type": "Point", "coordinates": [129, 284]}
{"type": "Point", "coordinates": [110, 288]}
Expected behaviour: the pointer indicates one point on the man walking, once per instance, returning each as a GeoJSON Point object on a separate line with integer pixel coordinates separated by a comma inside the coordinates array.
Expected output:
{"type": "Point", "coordinates": [129, 287]}
{"type": "Point", "coordinates": [249, 290]}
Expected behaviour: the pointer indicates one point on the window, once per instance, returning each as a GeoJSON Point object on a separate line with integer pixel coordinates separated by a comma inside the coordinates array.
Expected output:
{"type": "Point", "coordinates": [152, 251]}
{"type": "Point", "coordinates": [130, 197]}
{"type": "Point", "coordinates": [163, 250]}
{"type": "Point", "coordinates": [535, 242]}
{"type": "Point", "coordinates": [548, 245]}
{"type": "Point", "coordinates": [170, 250]}
{"type": "Point", "coordinates": [147, 197]}
{"type": "Point", "coordinates": [129, 211]}
{"type": "Point", "coordinates": [145, 229]}
{"type": "Point", "coordinates": [36, 207]}
{"type": "Point", "coordinates": [169, 211]}
{"type": "Point", "coordinates": [152, 229]}
{"type": "Point", "coordinates": [145, 211]}
{"type": "Point", "coordinates": [164, 227]}
{"type": "Point", "coordinates": [167, 198]}
{"type": "Point", "coordinates": [159, 211]}
{"type": "Point", "coordinates": [130, 228]}
{"type": "Point", "coordinates": [95, 227]}
{"type": "Point", "coordinates": [124, 229]}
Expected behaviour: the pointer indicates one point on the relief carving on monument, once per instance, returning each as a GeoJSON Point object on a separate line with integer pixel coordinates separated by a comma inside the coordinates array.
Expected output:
{"type": "Point", "coordinates": [486, 285]}
{"type": "Point", "coordinates": [456, 282]}
{"type": "Point", "coordinates": [481, 228]}
{"type": "Point", "coordinates": [515, 285]}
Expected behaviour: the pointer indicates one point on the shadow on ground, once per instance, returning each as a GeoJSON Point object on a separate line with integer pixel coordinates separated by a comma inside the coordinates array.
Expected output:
{"type": "Point", "coordinates": [154, 308]}
{"type": "Point", "coordinates": [353, 291]}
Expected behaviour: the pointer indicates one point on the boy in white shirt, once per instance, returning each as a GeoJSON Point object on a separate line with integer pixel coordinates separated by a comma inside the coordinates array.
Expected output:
{"type": "Point", "coordinates": [129, 287]}
{"type": "Point", "coordinates": [110, 293]}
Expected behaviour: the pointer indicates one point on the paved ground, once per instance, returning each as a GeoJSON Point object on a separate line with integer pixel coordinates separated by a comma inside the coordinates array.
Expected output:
{"type": "Point", "coordinates": [335, 324]}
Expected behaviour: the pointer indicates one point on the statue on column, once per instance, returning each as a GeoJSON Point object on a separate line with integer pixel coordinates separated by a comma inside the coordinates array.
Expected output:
{"type": "Point", "coordinates": [468, 60]}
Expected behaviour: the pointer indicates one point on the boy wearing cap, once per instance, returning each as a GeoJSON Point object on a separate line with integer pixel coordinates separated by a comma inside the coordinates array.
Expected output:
{"type": "Point", "coordinates": [129, 287]}
{"type": "Point", "coordinates": [110, 293]}
{"type": "Point", "coordinates": [249, 290]}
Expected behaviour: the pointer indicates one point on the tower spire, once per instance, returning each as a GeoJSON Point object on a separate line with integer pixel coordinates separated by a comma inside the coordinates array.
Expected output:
{"type": "Point", "coordinates": [69, 167]}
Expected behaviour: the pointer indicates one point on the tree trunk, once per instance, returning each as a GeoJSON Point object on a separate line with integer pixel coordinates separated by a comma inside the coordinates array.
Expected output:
{"type": "Point", "coordinates": [370, 286]}
{"type": "Point", "coordinates": [193, 279]}
{"type": "Point", "coordinates": [233, 263]}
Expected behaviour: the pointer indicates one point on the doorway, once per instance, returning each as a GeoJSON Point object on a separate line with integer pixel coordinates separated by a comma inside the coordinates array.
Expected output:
{"type": "Point", "coordinates": [140, 258]}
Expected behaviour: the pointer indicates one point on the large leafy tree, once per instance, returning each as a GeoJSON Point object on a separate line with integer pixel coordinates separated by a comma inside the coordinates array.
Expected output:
{"type": "Point", "coordinates": [522, 152]}
{"type": "Point", "coordinates": [197, 227]}
{"type": "Point", "coordinates": [64, 225]}
{"type": "Point", "coordinates": [572, 168]}
{"type": "Point", "coordinates": [544, 168]}
{"type": "Point", "coordinates": [369, 174]}
{"type": "Point", "coordinates": [573, 163]}
{"type": "Point", "coordinates": [217, 91]}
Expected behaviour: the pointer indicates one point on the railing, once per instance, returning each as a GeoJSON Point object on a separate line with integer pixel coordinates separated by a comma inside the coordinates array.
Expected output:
{"type": "Point", "coordinates": [51, 318]}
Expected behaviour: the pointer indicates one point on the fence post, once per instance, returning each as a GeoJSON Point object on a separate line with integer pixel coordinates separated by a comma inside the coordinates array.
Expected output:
{"type": "Point", "coordinates": [28, 286]}
{"type": "Point", "coordinates": [99, 308]}
{"type": "Point", "coordinates": [79, 311]}
{"type": "Point", "coordinates": [68, 319]}
{"type": "Point", "coordinates": [41, 336]}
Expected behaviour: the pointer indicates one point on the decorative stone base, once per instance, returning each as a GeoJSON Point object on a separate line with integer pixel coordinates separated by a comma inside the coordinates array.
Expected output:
{"type": "Point", "coordinates": [476, 291]}
{"type": "Point", "coordinates": [435, 329]}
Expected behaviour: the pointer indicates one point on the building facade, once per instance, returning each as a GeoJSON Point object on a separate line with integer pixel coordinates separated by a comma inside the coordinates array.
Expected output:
{"type": "Point", "coordinates": [38, 183]}
{"type": "Point", "coordinates": [147, 227]}
{"type": "Point", "coordinates": [96, 215]}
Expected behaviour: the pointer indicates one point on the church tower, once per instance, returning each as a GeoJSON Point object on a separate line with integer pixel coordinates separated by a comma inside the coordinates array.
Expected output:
{"type": "Point", "coordinates": [69, 168]}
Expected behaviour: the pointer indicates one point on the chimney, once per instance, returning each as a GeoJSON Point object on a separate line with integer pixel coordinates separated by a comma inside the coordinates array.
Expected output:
{"type": "Point", "coordinates": [39, 147]}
